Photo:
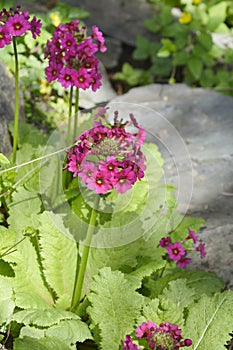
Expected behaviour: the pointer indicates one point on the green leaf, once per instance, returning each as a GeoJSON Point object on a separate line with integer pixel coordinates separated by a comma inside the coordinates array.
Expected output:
{"type": "Point", "coordinates": [202, 282]}
{"type": "Point", "coordinates": [217, 15]}
{"type": "Point", "coordinates": [29, 134]}
{"type": "Point", "coordinates": [195, 66]}
{"type": "Point", "coordinates": [6, 269]}
{"type": "Point", "coordinates": [181, 58]}
{"type": "Point", "coordinates": [7, 304]}
{"type": "Point", "coordinates": [24, 204]}
{"type": "Point", "coordinates": [205, 40]}
{"type": "Point", "coordinates": [7, 240]}
{"type": "Point", "coordinates": [59, 254]}
{"type": "Point", "coordinates": [28, 285]}
{"type": "Point", "coordinates": [70, 331]}
{"type": "Point", "coordinates": [179, 293]}
{"type": "Point", "coordinates": [43, 318]}
{"type": "Point", "coordinates": [114, 307]}
{"type": "Point", "coordinates": [142, 50]}
{"type": "Point", "coordinates": [209, 321]}
{"type": "Point", "coordinates": [3, 159]}
{"type": "Point", "coordinates": [167, 49]}
{"type": "Point", "coordinates": [27, 343]}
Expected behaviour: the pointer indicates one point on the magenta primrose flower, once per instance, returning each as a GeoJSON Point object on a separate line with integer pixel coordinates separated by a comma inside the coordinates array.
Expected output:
{"type": "Point", "coordinates": [14, 23]}
{"type": "Point", "coordinates": [163, 337]}
{"type": "Point", "coordinates": [107, 156]}
{"type": "Point", "coordinates": [71, 55]}
{"type": "Point", "coordinates": [178, 251]}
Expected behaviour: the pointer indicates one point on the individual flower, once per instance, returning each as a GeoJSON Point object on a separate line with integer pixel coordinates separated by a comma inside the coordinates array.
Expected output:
{"type": "Point", "coordinates": [75, 52]}
{"type": "Point", "coordinates": [201, 248]}
{"type": "Point", "coordinates": [14, 23]}
{"type": "Point", "coordinates": [165, 241]}
{"type": "Point", "coordinates": [175, 251]}
{"type": "Point", "coordinates": [192, 236]}
{"type": "Point", "coordinates": [165, 336]}
{"type": "Point", "coordinates": [185, 18]}
{"type": "Point", "coordinates": [107, 156]}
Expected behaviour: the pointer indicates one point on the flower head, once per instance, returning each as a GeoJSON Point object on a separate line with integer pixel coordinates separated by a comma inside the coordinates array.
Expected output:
{"type": "Point", "coordinates": [175, 251]}
{"type": "Point", "coordinates": [106, 156]}
{"type": "Point", "coordinates": [75, 51]}
{"type": "Point", "coordinates": [14, 23]}
{"type": "Point", "coordinates": [165, 336]}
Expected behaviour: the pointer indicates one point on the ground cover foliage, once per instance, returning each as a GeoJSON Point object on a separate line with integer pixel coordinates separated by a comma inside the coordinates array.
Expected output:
{"type": "Point", "coordinates": [127, 282]}
{"type": "Point", "coordinates": [192, 44]}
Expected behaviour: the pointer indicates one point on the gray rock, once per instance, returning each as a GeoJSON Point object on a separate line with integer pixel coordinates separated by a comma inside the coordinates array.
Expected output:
{"type": "Point", "coordinates": [121, 19]}
{"type": "Point", "coordinates": [7, 108]}
{"type": "Point", "coordinates": [194, 130]}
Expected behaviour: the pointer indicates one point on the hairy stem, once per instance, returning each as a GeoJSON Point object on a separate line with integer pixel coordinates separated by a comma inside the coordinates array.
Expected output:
{"type": "Point", "coordinates": [83, 263]}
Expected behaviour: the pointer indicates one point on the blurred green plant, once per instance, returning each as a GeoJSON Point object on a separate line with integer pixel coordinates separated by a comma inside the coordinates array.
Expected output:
{"type": "Point", "coordinates": [193, 44]}
{"type": "Point", "coordinates": [45, 103]}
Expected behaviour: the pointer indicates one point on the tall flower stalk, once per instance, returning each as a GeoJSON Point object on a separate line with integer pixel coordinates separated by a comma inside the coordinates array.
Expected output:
{"type": "Point", "coordinates": [15, 23]}
{"type": "Point", "coordinates": [83, 263]}
{"type": "Point", "coordinates": [105, 158]}
{"type": "Point", "coordinates": [16, 117]}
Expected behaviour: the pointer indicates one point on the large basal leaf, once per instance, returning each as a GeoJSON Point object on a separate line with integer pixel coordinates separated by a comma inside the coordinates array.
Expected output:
{"type": "Point", "coordinates": [29, 289]}
{"type": "Point", "coordinates": [24, 203]}
{"type": "Point", "coordinates": [7, 304]}
{"type": "Point", "coordinates": [59, 259]}
{"type": "Point", "coordinates": [43, 318]}
{"type": "Point", "coordinates": [114, 307]}
{"type": "Point", "coordinates": [209, 322]}
{"type": "Point", "coordinates": [27, 343]}
{"type": "Point", "coordinates": [70, 331]}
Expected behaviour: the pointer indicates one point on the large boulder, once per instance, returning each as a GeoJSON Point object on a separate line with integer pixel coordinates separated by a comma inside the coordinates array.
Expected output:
{"type": "Point", "coordinates": [7, 108]}
{"type": "Point", "coordinates": [194, 130]}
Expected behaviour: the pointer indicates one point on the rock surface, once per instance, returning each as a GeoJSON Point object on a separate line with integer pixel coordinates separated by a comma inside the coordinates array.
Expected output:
{"type": "Point", "coordinates": [7, 108]}
{"type": "Point", "coordinates": [203, 119]}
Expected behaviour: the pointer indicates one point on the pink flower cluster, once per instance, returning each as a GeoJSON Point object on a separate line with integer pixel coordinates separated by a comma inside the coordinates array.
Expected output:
{"type": "Point", "coordinates": [163, 337]}
{"type": "Point", "coordinates": [176, 251]}
{"type": "Point", "coordinates": [107, 156]}
{"type": "Point", "coordinates": [71, 55]}
{"type": "Point", "coordinates": [16, 23]}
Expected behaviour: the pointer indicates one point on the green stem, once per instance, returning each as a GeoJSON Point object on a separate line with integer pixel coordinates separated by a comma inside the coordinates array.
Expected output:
{"type": "Point", "coordinates": [76, 113]}
{"type": "Point", "coordinates": [83, 264]}
{"type": "Point", "coordinates": [16, 118]}
{"type": "Point", "coordinates": [70, 114]}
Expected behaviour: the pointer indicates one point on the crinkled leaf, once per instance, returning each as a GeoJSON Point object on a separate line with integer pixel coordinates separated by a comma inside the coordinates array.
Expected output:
{"type": "Point", "coordinates": [29, 134]}
{"type": "Point", "coordinates": [59, 256]}
{"type": "Point", "coordinates": [209, 321]}
{"type": "Point", "coordinates": [114, 307]}
{"type": "Point", "coordinates": [32, 332]}
{"type": "Point", "coordinates": [27, 343]}
{"type": "Point", "coordinates": [178, 292]}
{"type": "Point", "coordinates": [168, 311]}
{"type": "Point", "coordinates": [43, 318]}
{"type": "Point", "coordinates": [7, 304]}
{"type": "Point", "coordinates": [28, 285]}
{"type": "Point", "coordinates": [70, 331]}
